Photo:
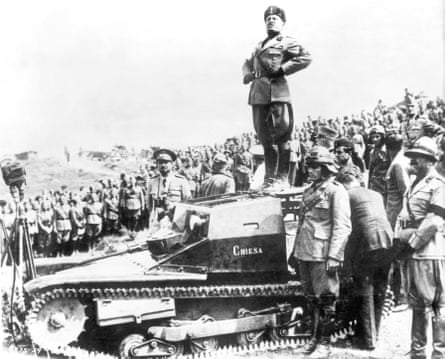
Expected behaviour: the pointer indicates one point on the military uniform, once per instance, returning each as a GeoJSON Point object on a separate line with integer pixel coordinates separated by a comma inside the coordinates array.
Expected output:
{"type": "Point", "coordinates": [173, 188]}
{"type": "Point", "coordinates": [63, 228]}
{"type": "Point", "coordinates": [218, 183]}
{"type": "Point", "coordinates": [271, 60]}
{"type": "Point", "coordinates": [324, 228]}
{"type": "Point", "coordinates": [424, 233]}
{"type": "Point", "coordinates": [367, 253]}
{"type": "Point", "coordinates": [378, 166]}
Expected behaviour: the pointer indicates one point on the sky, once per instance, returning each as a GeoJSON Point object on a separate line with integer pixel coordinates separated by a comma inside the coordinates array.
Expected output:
{"type": "Point", "coordinates": [94, 74]}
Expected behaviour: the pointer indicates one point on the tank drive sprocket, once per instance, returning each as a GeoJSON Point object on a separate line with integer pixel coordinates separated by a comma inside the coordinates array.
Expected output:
{"type": "Point", "coordinates": [55, 321]}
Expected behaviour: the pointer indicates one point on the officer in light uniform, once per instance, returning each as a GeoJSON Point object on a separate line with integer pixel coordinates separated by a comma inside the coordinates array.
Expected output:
{"type": "Point", "coordinates": [324, 227]}
{"type": "Point", "coordinates": [165, 188]}
{"type": "Point", "coordinates": [422, 221]}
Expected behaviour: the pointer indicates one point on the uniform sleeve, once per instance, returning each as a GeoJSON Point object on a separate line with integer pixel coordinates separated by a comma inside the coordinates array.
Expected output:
{"type": "Point", "coordinates": [433, 222]}
{"type": "Point", "coordinates": [248, 65]}
{"type": "Point", "coordinates": [297, 58]}
{"type": "Point", "coordinates": [341, 223]}
{"type": "Point", "coordinates": [401, 177]}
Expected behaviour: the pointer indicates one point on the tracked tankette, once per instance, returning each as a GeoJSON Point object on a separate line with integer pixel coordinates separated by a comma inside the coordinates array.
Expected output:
{"type": "Point", "coordinates": [218, 276]}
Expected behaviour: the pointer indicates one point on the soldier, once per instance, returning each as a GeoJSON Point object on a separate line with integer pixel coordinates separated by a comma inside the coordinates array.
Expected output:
{"type": "Point", "coordinates": [45, 224]}
{"type": "Point", "coordinates": [243, 167]}
{"type": "Point", "coordinates": [347, 159]}
{"type": "Point", "coordinates": [273, 59]}
{"type": "Point", "coordinates": [62, 226]}
{"type": "Point", "coordinates": [166, 188]}
{"type": "Point", "coordinates": [78, 223]}
{"type": "Point", "coordinates": [111, 209]}
{"type": "Point", "coordinates": [423, 221]}
{"type": "Point", "coordinates": [133, 199]}
{"type": "Point", "coordinates": [378, 160]}
{"type": "Point", "coordinates": [93, 211]}
{"type": "Point", "coordinates": [324, 227]}
{"type": "Point", "coordinates": [220, 182]}
{"type": "Point", "coordinates": [367, 255]}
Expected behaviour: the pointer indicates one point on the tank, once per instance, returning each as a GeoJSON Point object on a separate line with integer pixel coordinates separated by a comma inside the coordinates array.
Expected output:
{"type": "Point", "coordinates": [218, 276]}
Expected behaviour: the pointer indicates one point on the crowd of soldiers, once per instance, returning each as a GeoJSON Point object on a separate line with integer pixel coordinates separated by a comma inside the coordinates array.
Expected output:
{"type": "Point", "coordinates": [375, 205]}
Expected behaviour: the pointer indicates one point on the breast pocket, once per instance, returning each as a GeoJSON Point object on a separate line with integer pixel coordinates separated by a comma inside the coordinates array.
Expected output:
{"type": "Point", "coordinates": [421, 200]}
{"type": "Point", "coordinates": [321, 209]}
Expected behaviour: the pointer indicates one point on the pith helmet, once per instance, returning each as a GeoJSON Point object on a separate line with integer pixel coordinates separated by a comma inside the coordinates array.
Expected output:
{"type": "Point", "coordinates": [322, 156]}
{"type": "Point", "coordinates": [423, 147]}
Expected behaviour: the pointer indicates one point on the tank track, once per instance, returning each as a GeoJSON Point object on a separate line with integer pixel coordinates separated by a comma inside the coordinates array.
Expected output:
{"type": "Point", "coordinates": [38, 300]}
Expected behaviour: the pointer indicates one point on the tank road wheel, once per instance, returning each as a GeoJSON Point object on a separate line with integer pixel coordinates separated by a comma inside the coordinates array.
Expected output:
{"type": "Point", "coordinates": [56, 323]}
{"type": "Point", "coordinates": [129, 342]}
{"type": "Point", "coordinates": [248, 338]}
{"type": "Point", "coordinates": [204, 344]}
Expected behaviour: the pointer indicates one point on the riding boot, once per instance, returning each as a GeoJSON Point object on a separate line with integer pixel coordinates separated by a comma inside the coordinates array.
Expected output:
{"type": "Point", "coordinates": [311, 345]}
{"type": "Point", "coordinates": [419, 330]}
{"type": "Point", "coordinates": [438, 337]}
{"type": "Point", "coordinates": [270, 162]}
{"type": "Point", "coordinates": [283, 164]}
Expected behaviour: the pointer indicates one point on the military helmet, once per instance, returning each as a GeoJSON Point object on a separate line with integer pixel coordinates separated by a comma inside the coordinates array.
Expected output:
{"type": "Point", "coordinates": [423, 147]}
{"type": "Point", "coordinates": [322, 156]}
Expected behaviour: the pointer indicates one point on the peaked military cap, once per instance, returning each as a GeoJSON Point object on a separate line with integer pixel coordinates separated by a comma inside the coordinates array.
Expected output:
{"type": "Point", "coordinates": [165, 155]}
{"type": "Point", "coordinates": [275, 10]}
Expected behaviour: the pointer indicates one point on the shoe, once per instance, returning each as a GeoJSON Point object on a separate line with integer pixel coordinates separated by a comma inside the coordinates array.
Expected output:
{"type": "Point", "coordinates": [310, 346]}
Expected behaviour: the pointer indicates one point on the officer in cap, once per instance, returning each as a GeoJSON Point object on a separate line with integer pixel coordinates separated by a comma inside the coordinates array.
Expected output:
{"type": "Point", "coordinates": [423, 221]}
{"type": "Point", "coordinates": [324, 228]}
{"type": "Point", "coordinates": [220, 182]}
{"type": "Point", "coordinates": [167, 187]}
{"type": "Point", "coordinates": [266, 69]}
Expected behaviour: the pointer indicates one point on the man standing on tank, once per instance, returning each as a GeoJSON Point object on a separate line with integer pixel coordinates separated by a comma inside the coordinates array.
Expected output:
{"type": "Point", "coordinates": [272, 59]}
